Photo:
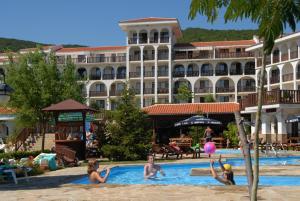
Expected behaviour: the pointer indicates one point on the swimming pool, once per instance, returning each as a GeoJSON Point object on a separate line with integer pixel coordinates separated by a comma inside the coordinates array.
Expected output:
{"type": "Point", "coordinates": [179, 174]}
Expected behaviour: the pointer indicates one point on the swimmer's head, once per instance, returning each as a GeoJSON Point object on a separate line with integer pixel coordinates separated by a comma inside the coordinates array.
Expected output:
{"type": "Point", "coordinates": [150, 158]}
{"type": "Point", "coordinates": [227, 167]}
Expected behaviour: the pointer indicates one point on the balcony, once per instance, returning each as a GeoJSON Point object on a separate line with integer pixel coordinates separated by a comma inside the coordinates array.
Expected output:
{"type": "Point", "coordinates": [246, 88]}
{"type": "Point", "coordinates": [143, 40]}
{"type": "Point", "coordinates": [92, 60]}
{"type": "Point", "coordinates": [236, 72]}
{"type": "Point", "coordinates": [153, 39]}
{"type": "Point", "coordinates": [95, 77]}
{"type": "Point", "coordinates": [163, 56]}
{"type": "Point", "coordinates": [98, 93]}
{"type": "Point", "coordinates": [121, 76]}
{"type": "Point", "coordinates": [207, 72]}
{"type": "Point", "coordinates": [149, 91]}
{"type": "Point", "coordinates": [204, 90]}
{"type": "Point", "coordinates": [194, 55]}
{"type": "Point", "coordinates": [192, 73]}
{"type": "Point", "coordinates": [234, 54]}
{"type": "Point", "coordinates": [274, 79]}
{"type": "Point", "coordinates": [136, 90]}
{"type": "Point", "coordinates": [162, 73]}
{"type": "Point", "coordinates": [249, 71]}
{"type": "Point", "coordinates": [221, 72]}
{"type": "Point", "coordinates": [224, 89]}
{"type": "Point", "coordinates": [134, 74]}
{"type": "Point", "coordinates": [164, 39]}
{"type": "Point", "coordinates": [115, 93]}
{"type": "Point", "coordinates": [148, 73]}
{"type": "Point", "coordinates": [178, 74]}
{"type": "Point", "coordinates": [275, 58]}
{"type": "Point", "coordinates": [162, 90]}
{"type": "Point", "coordinates": [272, 97]}
{"type": "Point", "coordinates": [108, 76]}
{"type": "Point", "coordinates": [132, 41]}
{"type": "Point", "coordinates": [287, 77]}
{"type": "Point", "coordinates": [148, 57]}
{"type": "Point", "coordinates": [284, 57]}
{"type": "Point", "coordinates": [135, 57]}
{"type": "Point", "coordinates": [294, 55]}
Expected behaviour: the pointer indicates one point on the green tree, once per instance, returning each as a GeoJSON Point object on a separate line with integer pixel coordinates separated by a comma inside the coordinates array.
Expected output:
{"type": "Point", "coordinates": [37, 83]}
{"type": "Point", "coordinates": [272, 16]}
{"type": "Point", "coordinates": [128, 132]}
{"type": "Point", "coordinates": [209, 98]}
{"type": "Point", "coordinates": [231, 133]}
{"type": "Point", "coordinates": [184, 94]}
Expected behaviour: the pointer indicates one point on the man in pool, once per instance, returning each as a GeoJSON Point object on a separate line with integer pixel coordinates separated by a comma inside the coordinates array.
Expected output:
{"type": "Point", "coordinates": [227, 177]}
{"type": "Point", "coordinates": [150, 169]}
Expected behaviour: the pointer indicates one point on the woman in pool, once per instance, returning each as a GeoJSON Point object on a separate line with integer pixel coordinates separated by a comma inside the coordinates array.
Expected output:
{"type": "Point", "coordinates": [227, 177]}
{"type": "Point", "coordinates": [150, 169]}
{"type": "Point", "coordinates": [94, 175]}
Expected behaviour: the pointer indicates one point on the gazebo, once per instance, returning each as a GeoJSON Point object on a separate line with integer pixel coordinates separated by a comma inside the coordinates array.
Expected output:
{"type": "Point", "coordinates": [78, 143]}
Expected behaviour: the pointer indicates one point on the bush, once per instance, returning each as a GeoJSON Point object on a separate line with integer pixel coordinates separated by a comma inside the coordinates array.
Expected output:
{"type": "Point", "coordinates": [232, 134]}
{"type": "Point", "coordinates": [196, 133]}
{"type": "Point", "coordinates": [121, 153]}
{"type": "Point", "coordinates": [21, 154]}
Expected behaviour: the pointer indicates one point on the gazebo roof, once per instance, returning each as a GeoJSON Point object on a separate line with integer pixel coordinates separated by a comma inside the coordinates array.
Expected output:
{"type": "Point", "coordinates": [68, 105]}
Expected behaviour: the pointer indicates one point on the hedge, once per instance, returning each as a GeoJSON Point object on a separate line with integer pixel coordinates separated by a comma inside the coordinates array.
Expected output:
{"type": "Point", "coordinates": [21, 154]}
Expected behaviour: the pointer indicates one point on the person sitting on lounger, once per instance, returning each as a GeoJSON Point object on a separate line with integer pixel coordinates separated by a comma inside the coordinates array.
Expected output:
{"type": "Point", "coordinates": [94, 175]}
{"type": "Point", "coordinates": [151, 169]}
{"type": "Point", "coordinates": [227, 177]}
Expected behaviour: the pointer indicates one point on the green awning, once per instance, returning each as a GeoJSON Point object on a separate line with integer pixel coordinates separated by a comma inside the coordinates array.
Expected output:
{"type": "Point", "coordinates": [74, 116]}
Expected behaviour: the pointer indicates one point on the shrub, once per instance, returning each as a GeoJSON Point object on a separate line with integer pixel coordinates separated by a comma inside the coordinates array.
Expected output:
{"type": "Point", "coordinates": [120, 152]}
{"type": "Point", "coordinates": [21, 154]}
{"type": "Point", "coordinates": [196, 133]}
{"type": "Point", "coordinates": [232, 133]}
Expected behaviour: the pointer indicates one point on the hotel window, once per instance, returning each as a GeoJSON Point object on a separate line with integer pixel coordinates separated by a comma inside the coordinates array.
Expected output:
{"type": "Point", "coordinates": [224, 98]}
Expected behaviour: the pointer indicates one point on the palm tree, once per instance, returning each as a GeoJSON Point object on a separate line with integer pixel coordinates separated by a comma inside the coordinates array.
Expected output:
{"type": "Point", "coordinates": [272, 16]}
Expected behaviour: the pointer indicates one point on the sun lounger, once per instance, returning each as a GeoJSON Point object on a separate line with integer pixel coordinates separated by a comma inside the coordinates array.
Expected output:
{"type": "Point", "coordinates": [11, 170]}
{"type": "Point", "coordinates": [173, 151]}
{"type": "Point", "coordinates": [157, 149]}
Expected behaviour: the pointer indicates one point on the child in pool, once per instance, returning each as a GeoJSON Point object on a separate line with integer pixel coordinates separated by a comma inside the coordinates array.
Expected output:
{"type": "Point", "coordinates": [227, 177]}
{"type": "Point", "coordinates": [150, 169]}
{"type": "Point", "coordinates": [94, 175]}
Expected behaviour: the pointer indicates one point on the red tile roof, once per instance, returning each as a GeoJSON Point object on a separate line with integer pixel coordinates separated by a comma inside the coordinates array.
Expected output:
{"type": "Point", "coordinates": [191, 108]}
{"type": "Point", "coordinates": [7, 110]}
{"type": "Point", "coordinates": [218, 43]}
{"type": "Point", "coordinates": [149, 19]}
{"type": "Point", "coordinates": [80, 49]}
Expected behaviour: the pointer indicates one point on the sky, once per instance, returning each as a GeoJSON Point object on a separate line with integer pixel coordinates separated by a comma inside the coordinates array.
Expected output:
{"type": "Point", "coordinates": [92, 22]}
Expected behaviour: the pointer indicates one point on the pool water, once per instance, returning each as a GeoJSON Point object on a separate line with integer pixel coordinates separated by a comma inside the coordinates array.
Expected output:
{"type": "Point", "coordinates": [179, 174]}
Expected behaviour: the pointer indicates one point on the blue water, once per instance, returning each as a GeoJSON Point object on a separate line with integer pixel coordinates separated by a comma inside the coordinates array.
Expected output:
{"type": "Point", "coordinates": [179, 174]}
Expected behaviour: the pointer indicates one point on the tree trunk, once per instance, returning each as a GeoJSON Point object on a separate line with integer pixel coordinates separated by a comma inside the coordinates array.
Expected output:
{"type": "Point", "coordinates": [246, 151]}
{"type": "Point", "coordinates": [43, 136]}
{"type": "Point", "coordinates": [257, 126]}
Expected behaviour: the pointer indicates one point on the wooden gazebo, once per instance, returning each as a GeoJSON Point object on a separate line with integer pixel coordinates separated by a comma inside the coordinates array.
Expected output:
{"type": "Point", "coordinates": [78, 144]}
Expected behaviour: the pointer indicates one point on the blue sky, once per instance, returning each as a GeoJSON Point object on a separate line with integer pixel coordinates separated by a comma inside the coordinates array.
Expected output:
{"type": "Point", "coordinates": [92, 22]}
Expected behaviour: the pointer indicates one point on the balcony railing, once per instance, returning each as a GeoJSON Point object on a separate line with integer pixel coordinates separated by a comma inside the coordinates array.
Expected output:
{"type": "Point", "coordinates": [149, 91]}
{"type": "Point", "coordinates": [162, 73]}
{"type": "Point", "coordinates": [221, 72]}
{"type": "Point", "coordinates": [195, 55]}
{"type": "Point", "coordinates": [204, 90]}
{"type": "Point", "coordinates": [284, 57]}
{"type": "Point", "coordinates": [162, 90]}
{"type": "Point", "coordinates": [121, 76]}
{"type": "Point", "coordinates": [294, 55]}
{"type": "Point", "coordinates": [224, 89]}
{"type": "Point", "coordinates": [95, 77]}
{"type": "Point", "coordinates": [192, 73]}
{"type": "Point", "coordinates": [207, 72]}
{"type": "Point", "coordinates": [135, 57]}
{"type": "Point", "coordinates": [98, 93]}
{"type": "Point", "coordinates": [163, 56]}
{"type": "Point", "coordinates": [246, 88]}
{"type": "Point", "coordinates": [275, 58]}
{"type": "Point", "coordinates": [143, 40]}
{"type": "Point", "coordinates": [234, 54]}
{"type": "Point", "coordinates": [178, 74]}
{"type": "Point", "coordinates": [132, 41]}
{"type": "Point", "coordinates": [148, 57]}
{"type": "Point", "coordinates": [108, 76]}
{"type": "Point", "coordinates": [164, 39]}
{"type": "Point", "coordinates": [148, 73]}
{"type": "Point", "coordinates": [236, 72]}
{"type": "Point", "coordinates": [287, 77]}
{"type": "Point", "coordinates": [250, 72]}
{"type": "Point", "coordinates": [115, 93]}
{"type": "Point", "coordinates": [113, 59]}
{"type": "Point", "coordinates": [134, 74]}
{"type": "Point", "coordinates": [272, 97]}
{"type": "Point", "coordinates": [153, 39]}
{"type": "Point", "coordinates": [274, 79]}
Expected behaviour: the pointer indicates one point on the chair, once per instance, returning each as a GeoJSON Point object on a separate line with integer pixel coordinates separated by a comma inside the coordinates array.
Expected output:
{"type": "Point", "coordinates": [171, 150]}
{"type": "Point", "coordinates": [66, 156]}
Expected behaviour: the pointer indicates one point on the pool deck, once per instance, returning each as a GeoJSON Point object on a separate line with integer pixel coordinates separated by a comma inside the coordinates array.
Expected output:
{"type": "Point", "coordinates": [55, 186]}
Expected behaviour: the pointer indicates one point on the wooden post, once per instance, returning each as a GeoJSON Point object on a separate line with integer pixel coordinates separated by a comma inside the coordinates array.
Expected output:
{"type": "Point", "coordinates": [84, 133]}
{"type": "Point", "coordinates": [153, 132]}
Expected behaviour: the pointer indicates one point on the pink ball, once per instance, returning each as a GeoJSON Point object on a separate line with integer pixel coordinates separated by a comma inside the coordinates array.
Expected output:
{"type": "Point", "coordinates": [209, 148]}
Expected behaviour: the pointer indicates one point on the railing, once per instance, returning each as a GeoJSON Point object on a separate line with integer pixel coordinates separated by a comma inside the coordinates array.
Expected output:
{"type": "Point", "coordinates": [164, 39]}
{"type": "Point", "coordinates": [148, 74]}
{"type": "Point", "coordinates": [22, 137]}
{"type": "Point", "coordinates": [113, 59]}
{"type": "Point", "coordinates": [162, 90]}
{"type": "Point", "coordinates": [134, 74]}
{"type": "Point", "coordinates": [207, 72]}
{"type": "Point", "coordinates": [121, 75]}
{"type": "Point", "coordinates": [294, 54]}
{"type": "Point", "coordinates": [163, 56]}
{"type": "Point", "coordinates": [132, 41]}
{"type": "Point", "coordinates": [178, 74]}
{"type": "Point", "coordinates": [272, 97]}
{"type": "Point", "coordinates": [162, 73]}
{"type": "Point", "coordinates": [234, 54]}
{"type": "Point", "coordinates": [192, 73]}
{"type": "Point", "coordinates": [204, 90]}
{"type": "Point", "coordinates": [224, 89]}
{"type": "Point", "coordinates": [108, 76]}
{"type": "Point", "coordinates": [246, 88]}
{"type": "Point", "coordinates": [274, 79]}
{"type": "Point", "coordinates": [284, 57]}
{"type": "Point", "coordinates": [195, 55]}
{"type": "Point", "coordinates": [98, 93]}
{"type": "Point", "coordinates": [287, 77]}
{"type": "Point", "coordinates": [236, 72]}
{"type": "Point", "coordinates": [250, 72]}
{"type": "Point", "coordinates": [95, 77]}
{"type": "Point", "coordinates": [153, 39]}
{"type": "Point", "coordinates": [115, 93]}
{"type": "Point", "coordinates": [221, 72]}
{"type": "Point", "coordinates": [148, 57]}
{"type": "Point", "coordinates": [149, 91]}
{"type": "Point", "coordinates": [143, 40]}
{"type": "Point", "coordinates": [275, 58]}
{"type": "Point", "coordinates": [135, 57]}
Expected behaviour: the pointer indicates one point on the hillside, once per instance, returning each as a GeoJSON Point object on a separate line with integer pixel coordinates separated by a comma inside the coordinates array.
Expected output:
{"type": "Point", "coordinates": [15, 44]}
{"type": "Point", "coordinates": [198, 34]}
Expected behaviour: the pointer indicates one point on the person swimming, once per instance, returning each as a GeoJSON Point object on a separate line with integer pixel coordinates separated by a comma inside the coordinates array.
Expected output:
{"type": "Point", "coordinates": [94, 175]}
{"type": "Point", "coordinates": [227, 177]}
{"type": "Point", "coordinates": [151, 169]}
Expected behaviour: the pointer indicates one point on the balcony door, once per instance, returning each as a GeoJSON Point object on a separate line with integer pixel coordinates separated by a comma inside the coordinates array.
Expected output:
{"type": "Point", "coordinates": [100, 87]}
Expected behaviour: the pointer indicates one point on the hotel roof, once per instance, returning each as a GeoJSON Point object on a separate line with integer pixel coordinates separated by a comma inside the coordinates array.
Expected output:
{"type": "Point", "coordinates": [191, 108]}
{"type": "Point", "coordinates": [149, 19]}
{"type": "Point", "coordinates": [82, 49]}
{"type": "Point", "coordinates": [7, 110]}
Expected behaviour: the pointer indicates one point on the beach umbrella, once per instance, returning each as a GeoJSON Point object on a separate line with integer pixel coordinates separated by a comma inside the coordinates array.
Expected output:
{"type": "Point", "coordinates": [197, 120]}
{"type": "Point", "coordinates": [293, 119]}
